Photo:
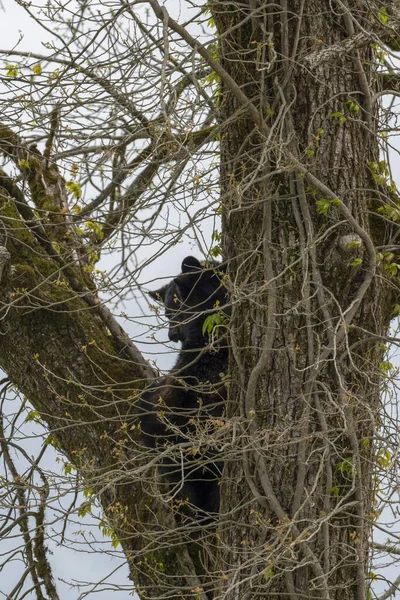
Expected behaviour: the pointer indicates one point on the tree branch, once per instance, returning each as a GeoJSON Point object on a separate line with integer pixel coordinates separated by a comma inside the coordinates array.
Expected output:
{"type": "Point", "coordinates": [386, 548]}
{"type": "Point", "coordinates": [107, 86]}
{"type": "Point", "coordinates": [84, 382]}
{"type": "Point", "coordinates": [46, 185]}
{"type": "Point", "coordinates": [391, 591]}
{"type": "Point", "coordinates": [326, 54]}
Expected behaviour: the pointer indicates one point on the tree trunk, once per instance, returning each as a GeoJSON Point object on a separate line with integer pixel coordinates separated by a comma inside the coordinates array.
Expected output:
{"type": "Point", "coordinates": [307, 304]}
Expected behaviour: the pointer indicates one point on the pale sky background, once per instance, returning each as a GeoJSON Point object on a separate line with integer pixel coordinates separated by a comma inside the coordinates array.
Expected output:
{"type": "Point", "coordinates": [77, 565]}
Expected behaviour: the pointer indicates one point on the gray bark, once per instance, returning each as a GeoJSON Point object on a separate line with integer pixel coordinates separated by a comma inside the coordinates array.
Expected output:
{"type": "Point", "coordinates": [309, 308]}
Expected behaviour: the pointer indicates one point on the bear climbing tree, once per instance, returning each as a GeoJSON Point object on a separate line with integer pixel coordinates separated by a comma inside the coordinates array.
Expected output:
{"type": "Point", "coordinates": [183, 410]}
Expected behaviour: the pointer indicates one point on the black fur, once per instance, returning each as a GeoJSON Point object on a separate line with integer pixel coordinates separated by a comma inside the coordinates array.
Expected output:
{"type": "Point", "coordinates": [190, 399]}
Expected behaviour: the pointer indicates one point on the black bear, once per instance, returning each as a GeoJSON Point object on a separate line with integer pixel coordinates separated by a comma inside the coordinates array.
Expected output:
{"type": "Point", "coordinates": [186, 404]}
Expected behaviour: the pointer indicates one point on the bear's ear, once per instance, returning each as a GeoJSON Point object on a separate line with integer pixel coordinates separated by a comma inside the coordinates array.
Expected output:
{"type": "Point", "coordinates": [159, 295]}
{"type": "Point", "coordinates": [192, 272]}
{"type": "Point", "coordinates": [190, 264]}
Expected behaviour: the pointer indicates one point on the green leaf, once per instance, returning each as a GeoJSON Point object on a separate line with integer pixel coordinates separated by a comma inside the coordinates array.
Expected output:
{"type": "Point", "coordinates": [384, 458]}
{"type": "Point", "coordinates": [388, 257]}
{"type": "Point", "coordinates": [209, 323]}
{"type": "Point", "coordinates": [353, 107]}
{"type": "Point", "coordinates": [12, 70]}
{"type": "Point", "coordinates": [51, 441]}
{"type": "Point", "coordinates": [383, 16]}
{"type": "Point", "coordinates": [383, 167]}
{"type": "Point", "coordinates": [110, 533]}
{"type": "Point", "coordinates": [385, 367]}
{"type": "Point", "coordinates": [392, 269]}
{"type": "Point", "coordinates": [393, 214]}
{"type": "Point", "coordinates": [323, 205]}
{"type": "Point", "coordinates": [396, 310]}
{"type": "Point", "coordinates": [211, 22]}
{"type": "Point", "coordinates": [87, 492]}
{"type": "Point", "coordinates": [357, 262]}
{"type": "Point", "coordinates": [269, 573]}
{"type": "Point", "coordinates": [96, 228]}
{"type": "Point", "coordinates": [353, 245]}
{"type": "Point", "coordinates": [345, 466]}
{"type": "Point", "coordinates": [215, 251]}
{"type": "Point", "coordinates": [68, 468]}
{"type": "Point", "coordinates": [74, 188]}
{"type": "Point", "coordinates": [339, 116]}
{"type": "Point", "coordinates": [84, 509]}
{"type": "Point", "coordinates": [34, 416]}
{"type": "Point", "coordinates": [213, 321]}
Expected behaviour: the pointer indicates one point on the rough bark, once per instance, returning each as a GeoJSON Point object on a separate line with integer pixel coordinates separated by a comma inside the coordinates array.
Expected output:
{"type": "Point", "coordinates": [305, 292]}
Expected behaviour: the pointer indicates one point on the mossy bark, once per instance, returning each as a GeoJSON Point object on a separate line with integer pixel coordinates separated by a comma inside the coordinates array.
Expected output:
{"type": "Point", "coordinates": [60, 354]}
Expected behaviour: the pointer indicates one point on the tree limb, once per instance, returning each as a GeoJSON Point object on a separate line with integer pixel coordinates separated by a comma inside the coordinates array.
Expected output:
{"type": "Point", "coordinates": [84, 382]}
{"type": "Point", "coordinates": [5, 259]}
{"type": "Point", "coordinates": [326, 54]}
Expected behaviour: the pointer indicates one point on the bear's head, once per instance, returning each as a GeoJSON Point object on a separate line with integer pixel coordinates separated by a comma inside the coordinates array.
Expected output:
{"type": "Point", "coordinates": [190, 297]}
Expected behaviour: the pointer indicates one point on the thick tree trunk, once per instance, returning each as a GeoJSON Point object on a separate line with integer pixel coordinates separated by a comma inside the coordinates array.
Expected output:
{"type": "Point", "coordinates": [304, 369]}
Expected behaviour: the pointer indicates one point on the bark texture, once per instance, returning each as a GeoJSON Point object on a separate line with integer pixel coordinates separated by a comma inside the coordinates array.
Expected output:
{"type": "Point", "coordinates": [307, 302]}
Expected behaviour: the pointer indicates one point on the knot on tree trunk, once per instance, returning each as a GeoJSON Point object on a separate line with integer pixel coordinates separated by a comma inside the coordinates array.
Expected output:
{"type": "Point", "coordinates": [351, 243]}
